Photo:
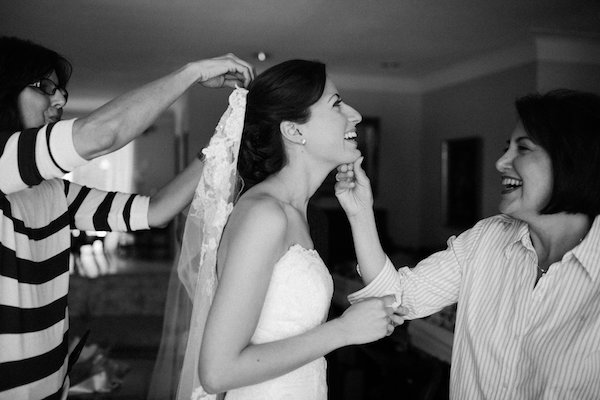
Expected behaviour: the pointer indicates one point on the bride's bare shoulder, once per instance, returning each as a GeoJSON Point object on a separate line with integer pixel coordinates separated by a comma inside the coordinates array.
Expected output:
{"type": "Point", "coordinates": [258, 207]}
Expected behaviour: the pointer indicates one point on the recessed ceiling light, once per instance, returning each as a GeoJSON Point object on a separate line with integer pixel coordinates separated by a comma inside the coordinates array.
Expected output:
{"type": "Point", "coordinates": [261, 56]}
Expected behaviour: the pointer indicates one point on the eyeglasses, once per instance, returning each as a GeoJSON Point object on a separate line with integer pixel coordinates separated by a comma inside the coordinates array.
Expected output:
{"type": "Point", "coordinates": [48, 87]}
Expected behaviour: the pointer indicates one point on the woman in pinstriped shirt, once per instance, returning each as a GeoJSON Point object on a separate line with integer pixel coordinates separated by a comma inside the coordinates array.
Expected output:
{"type": "Point", "coordinates": [527, 282]}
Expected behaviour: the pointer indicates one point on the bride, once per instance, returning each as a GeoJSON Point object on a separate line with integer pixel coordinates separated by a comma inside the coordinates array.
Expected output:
{"type": "Point", "coordinates": [260, 333]}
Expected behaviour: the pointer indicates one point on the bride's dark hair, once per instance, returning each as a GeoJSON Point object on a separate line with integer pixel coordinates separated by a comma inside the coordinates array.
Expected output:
{"type": "Point", "coordinates": [283, 92]}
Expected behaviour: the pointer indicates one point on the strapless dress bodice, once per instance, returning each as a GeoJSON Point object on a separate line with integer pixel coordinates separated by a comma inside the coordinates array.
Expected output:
{"type": "Point", "coordinates": [297, 300]}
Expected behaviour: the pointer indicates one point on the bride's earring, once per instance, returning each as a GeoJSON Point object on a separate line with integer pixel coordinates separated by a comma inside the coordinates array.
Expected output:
{"type": "Point", "coordinates": [302, 141]}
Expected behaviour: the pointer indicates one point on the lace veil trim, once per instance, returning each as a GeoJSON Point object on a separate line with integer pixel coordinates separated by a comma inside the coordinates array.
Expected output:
{"type": "Point", "coordinates": [210, 208]}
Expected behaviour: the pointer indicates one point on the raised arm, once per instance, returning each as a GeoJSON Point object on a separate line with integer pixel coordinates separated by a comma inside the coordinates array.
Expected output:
{"type": "Point", "coordinates": [123, 119]}
{"type": "Point", "coordinates": [353, 190]}
{"type": "Point", "coordinates": [253, 242]}
{"type": "Point", "coordinates": [29, 157]}
{"type": "Point", "coordinates": [433, 284]}
{"type": "Point", "coordinates": [92, 209]}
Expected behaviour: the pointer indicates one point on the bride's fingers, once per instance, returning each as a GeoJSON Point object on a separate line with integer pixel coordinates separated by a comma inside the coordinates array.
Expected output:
{"type": "Point", "coordinates": [390, 329]}
{"type": "Point", "coordinates": [401, 311]}
{"type": "Point", "coordinates": [396, 320]}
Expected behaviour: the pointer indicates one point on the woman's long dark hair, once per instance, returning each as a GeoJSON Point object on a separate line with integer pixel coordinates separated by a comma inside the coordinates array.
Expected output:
{"type": "Point", "coordinates": [283, 92]}
{"type": "Point", "coordinates": [22, 63]}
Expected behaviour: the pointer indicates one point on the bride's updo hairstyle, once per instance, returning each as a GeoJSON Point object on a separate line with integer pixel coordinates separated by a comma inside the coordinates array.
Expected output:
{"type": "Point", "coordinates": [283, 92]}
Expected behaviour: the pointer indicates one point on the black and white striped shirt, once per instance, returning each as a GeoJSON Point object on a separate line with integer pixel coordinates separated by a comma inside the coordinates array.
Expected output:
{"type": "Point", "coordinates": [511, 340]}
{"type": "Point", "coordinates": [30, 156]}
{"type": "Point", "coordinates": [35, 224]}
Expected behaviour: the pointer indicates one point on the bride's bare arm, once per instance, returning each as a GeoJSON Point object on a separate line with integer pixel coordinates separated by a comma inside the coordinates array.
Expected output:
{"type": "Point", "coordinates": [255, 240]}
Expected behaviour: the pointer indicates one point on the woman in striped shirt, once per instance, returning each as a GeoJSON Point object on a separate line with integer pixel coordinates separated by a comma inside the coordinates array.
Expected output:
{"type": "Point", "coordinates": [527, 282]}
{"type": "Point", "coordinates": [37, 210]}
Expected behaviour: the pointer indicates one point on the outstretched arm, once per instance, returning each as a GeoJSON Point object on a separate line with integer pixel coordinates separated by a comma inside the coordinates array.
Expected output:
{"type": "Point", "coordinates": [254, 241]}
{"type": "Point", "coordinates": [353, 191]}
{"type": "Point", "coordinates": [27, 158]}
{"type": "Point", "coordinates": [174, 196]}
{"type": "Point", "coordinates": [123, 119]}
{"type": "Point", "coordinates": [433, 284]}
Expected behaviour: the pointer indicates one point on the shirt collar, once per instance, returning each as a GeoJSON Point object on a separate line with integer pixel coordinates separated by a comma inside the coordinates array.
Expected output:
{"type": "Point", "coordinates": [588, 251]}
{"type": "Point", "coordinates": [520, 235]}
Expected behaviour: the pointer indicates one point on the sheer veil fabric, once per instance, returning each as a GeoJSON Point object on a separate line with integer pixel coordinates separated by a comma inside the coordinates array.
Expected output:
{"type": "Point", "coordinates": [210, 208]}
{"type": "Point", "coordinates": [176, 323]}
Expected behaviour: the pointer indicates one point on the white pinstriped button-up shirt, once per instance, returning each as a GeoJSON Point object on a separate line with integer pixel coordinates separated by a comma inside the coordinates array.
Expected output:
{"type": "Point", "coordinates": [511, 340]}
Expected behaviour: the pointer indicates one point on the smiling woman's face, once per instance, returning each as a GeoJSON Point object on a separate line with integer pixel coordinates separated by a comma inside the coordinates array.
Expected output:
{"type": "Point", "coordinates": [526, 171]}
{"type": "Point", "coordinates": [37, 108]}
{"type": "Point", "coordinates": [330, 131]}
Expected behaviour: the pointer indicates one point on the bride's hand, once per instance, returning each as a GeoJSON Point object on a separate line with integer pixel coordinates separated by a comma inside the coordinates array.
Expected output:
{"type": "Point", "coordinates": [353, 188]}
{"type": "Point", "coordinates": [369, 320]}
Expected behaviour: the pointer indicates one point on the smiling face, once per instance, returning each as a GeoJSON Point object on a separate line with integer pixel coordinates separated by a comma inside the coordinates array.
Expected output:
{"type": "Point", "coordinates": [330, 132]}
{"type": "Point", "coordinates": [36, 108]}
{"type": "Point", "coordinates": [526, 171]}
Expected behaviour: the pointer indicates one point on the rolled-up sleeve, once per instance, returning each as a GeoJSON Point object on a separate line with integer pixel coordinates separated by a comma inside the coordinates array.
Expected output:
{"type": "Point", "coordinates": [139, 213]}
{"type": "Point", "coordinates": [29, 157]}
{"type": "Point", "coordinates": [431, 285]}
{"type": "Point", "coordinates": [93, 209]}
{"type": "Point", "coordinates": [387, 282]}
{"type": "Point", "coordinates": [62, 149]}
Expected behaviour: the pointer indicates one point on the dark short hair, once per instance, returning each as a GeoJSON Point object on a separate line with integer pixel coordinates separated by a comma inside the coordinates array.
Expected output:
{"type": "Point", "coordinates": [283, 92]}
{"type": "Point", "coordinates": [566, 123]}
{"type": "Point", "coordinates": [22, 63]}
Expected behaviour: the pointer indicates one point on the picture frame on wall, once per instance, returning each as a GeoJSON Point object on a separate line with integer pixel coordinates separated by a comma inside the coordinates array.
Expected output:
{"type": "Point", "coordinates": [461, 181]}
{"type": "Point", "coordinates": [368, 137]}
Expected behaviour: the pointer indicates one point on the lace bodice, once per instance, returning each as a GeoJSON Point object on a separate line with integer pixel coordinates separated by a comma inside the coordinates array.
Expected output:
{"type": "Point", "coordinates": [297, 300]}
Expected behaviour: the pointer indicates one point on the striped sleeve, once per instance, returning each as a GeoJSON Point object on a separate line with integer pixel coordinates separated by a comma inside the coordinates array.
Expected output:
{"type": "Point", "coordinates": [430, 286]}
{"type": "Point", "coordinates": [385, 283]}
{"type": "Point", "coordinates": [97, 210]}
{"type": "Point", "coordinates": [31, 156]}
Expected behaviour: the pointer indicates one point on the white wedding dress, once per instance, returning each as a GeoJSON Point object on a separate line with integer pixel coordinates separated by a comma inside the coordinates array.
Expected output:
{"type": "Point", "coordinates": [299, 292]}
{"type": "Point", "coordinates": [297, 300]}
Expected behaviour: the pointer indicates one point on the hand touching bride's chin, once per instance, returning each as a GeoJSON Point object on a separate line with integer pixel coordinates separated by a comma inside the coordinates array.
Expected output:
{"type": "Point", "coordinates": [353, 189]}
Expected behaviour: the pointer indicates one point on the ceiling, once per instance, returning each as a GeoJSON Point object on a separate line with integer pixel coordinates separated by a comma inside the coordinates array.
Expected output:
{"type": "Point", "coordinates": [120, 43]}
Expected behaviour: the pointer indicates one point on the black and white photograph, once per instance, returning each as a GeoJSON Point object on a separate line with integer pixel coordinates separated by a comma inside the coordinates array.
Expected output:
{"type": "Point", "coordinates": [299, 200]}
